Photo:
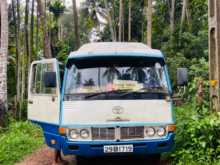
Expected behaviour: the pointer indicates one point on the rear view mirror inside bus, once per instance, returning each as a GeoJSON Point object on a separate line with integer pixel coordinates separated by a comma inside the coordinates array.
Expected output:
{"type": "Point", "coordinates": [50, 79]}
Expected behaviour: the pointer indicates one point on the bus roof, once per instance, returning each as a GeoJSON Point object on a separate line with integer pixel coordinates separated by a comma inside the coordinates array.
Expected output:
{"type": "Point", "coordinates": [101, 49]}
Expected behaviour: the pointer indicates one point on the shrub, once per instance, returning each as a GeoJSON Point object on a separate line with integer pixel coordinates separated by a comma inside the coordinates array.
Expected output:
{"type": "Point", "coordinates": [197, 138]}
{"type": "Point", "coordinates": [20, 139]}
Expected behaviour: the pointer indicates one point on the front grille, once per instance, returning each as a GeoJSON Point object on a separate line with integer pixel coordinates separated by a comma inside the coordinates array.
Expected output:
{"type": "Point", "coordinates": [126, 133]}
{"type": "Point", "coordinates": [132, 132]}
{"type": "Point", "coordinates": [103, 133]}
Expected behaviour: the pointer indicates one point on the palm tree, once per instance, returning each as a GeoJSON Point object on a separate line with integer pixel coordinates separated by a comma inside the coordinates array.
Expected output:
{"type": "Point", "coordinates": [99, 77]}
{"type": "Point", "coordinates": [89, 82]}
{"type": "Point", "coordinates": [154, 77]}
{"type": "Point", "coordinates": [137, 73]}
{"type": "Point", "coordinates": [110, 73]}
{"type": "Point", "coordinates": [3, 58]}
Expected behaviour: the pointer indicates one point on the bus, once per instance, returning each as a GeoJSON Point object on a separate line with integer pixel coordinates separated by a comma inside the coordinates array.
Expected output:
{"type": "Point", "coordinates": [113, 99]}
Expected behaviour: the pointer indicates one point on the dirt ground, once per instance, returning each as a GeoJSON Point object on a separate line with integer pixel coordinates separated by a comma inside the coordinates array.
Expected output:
{"type": "Point", "coordinates": [45, 156]}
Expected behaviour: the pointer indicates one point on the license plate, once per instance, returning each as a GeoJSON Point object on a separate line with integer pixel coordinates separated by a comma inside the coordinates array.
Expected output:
{"type": "Point", "coordinates": [118, 148]}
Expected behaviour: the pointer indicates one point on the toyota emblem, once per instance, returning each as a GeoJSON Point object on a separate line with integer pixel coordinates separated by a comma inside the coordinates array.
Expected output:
{"type": "Point", "coordinates": [117, 110]}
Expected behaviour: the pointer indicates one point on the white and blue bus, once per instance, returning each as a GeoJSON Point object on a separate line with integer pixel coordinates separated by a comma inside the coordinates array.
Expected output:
{"type": "Point", "coordinates": [114, 98]}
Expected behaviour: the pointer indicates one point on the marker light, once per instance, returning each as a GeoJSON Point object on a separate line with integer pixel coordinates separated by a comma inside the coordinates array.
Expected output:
{"type": "Point", "coordinates": [150, 131]}
{"type": "Point", "coordinates": [74, 134]}
{"type": "Point", "coordinates": [171, 128]}
{"type": "Point", "coordinates": [62, 130]}
{"type": "Point", "coordinates": [84, 133]}
{"type": "Point", "coordinates": [53, 141]}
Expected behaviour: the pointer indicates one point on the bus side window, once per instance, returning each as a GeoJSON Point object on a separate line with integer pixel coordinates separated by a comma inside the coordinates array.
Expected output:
{"type": "Point", "coordinates": [37, 83]}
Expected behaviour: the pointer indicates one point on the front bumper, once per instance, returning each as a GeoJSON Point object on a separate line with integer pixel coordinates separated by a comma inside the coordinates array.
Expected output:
{"type": "Point", "coordinates": [95, 148]}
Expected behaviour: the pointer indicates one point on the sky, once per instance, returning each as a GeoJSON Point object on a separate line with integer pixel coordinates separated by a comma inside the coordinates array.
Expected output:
{"type": "Point", "coordinates": [68, 3]}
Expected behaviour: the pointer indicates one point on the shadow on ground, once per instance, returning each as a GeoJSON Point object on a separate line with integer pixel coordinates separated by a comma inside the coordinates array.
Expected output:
{"type": "Point", "coordinates": [128, 160]}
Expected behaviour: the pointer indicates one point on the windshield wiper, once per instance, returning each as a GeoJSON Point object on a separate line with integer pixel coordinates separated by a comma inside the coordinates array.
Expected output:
{"type": "Point", "coordinates": [106, 92]}
{"type": "Point", "coordinates": [147, 90]}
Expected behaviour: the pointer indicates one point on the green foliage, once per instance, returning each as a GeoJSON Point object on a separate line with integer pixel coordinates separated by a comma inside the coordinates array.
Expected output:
{"type": "Point", "coordinates": [185, 46]}
{"type": "Point", "coordinates": [199, 68]}
{"type": "Point", "coordinates": [197, 137]}
{"type": "Point", "coordinates": [62, 51]}
{"type": "Point", "coordinates": [20, 139]}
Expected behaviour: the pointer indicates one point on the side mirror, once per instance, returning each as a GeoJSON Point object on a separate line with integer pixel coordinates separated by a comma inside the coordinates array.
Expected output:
{"type": "Point", "coordinates": [182, 76]}
{"type": "Point", "coordinates": [50, 80]}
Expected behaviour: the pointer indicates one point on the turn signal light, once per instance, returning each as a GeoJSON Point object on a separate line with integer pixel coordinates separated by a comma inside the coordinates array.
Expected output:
{"type": "Point", "coordinates": [171, 128]}
{"type": "Point", "coordinates": [62, 130]}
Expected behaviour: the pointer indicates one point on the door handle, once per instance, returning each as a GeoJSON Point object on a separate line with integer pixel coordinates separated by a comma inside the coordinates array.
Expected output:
{"type": "Point", "coordinates": [53, 98]}
{"type": "Point", "coordinates": [30, 101]}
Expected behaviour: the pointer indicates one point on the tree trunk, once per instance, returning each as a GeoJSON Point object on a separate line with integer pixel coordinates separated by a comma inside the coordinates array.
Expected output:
{"type": "Point", "coordinates": [15, 33]}
{"type": "Point", "coordinates": [27, 43]}
{"type": "Point", "coordinates": [123, 25]}
{"type": "Point", "coordinates": [121, 21]}
{"type": "Point", "coordinates": [129, 20]}
{"type": "Point", "coordinates": [26, 56]}
{"type": "Point", "coordinates": [43, 20]}
{"type": "Point", "coordinates": [59, 22]}
{"type": "Point", "coordinates": [31, 34]}
{"type": "Point", "coordinates": [23, 84]}
{"type": "Point", "coordinates": [37, 33]}
{"type": "Point", "coordinates": [188, 16]}
{"type": "Point", "coordinates": [149, 23]}
{"type": "Point", "coordinates": [183, 15]}
{"type": "Point", "coordinates": [109, 18]}
{"type": "Point", "coordinates": [114, 22]}
{"type": "Point", "coordinates": [3, 59]}
{"type": "Point", "coordinates": [172, 17]}
{"type": "Point", "coordinates": [76, 24]}
{"type": "Point", "coordinates": [18, 57]}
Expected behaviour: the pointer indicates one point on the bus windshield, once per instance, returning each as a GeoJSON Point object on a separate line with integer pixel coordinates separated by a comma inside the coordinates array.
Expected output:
{"type": "Point", "coordinates": [113, 81]}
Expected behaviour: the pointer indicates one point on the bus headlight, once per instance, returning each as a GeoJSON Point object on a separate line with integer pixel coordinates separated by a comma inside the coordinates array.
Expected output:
{"type": "Point", "coordinates": [74, 134]}
{"type": "Point", "coordinates": [84, 133]}
{"type": "Point", "coordinates": [150, 131]}
{"type": "Point", "coordinates": [161, 131]}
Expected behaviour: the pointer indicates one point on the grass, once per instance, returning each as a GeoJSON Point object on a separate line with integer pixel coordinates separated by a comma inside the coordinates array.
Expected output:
{"type": "Point", "coordinates": [20, 139]}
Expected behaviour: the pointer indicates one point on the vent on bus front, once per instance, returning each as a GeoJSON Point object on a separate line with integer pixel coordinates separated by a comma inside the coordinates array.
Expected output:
{"type": "Point", "coordinates": [132, 132]}
{"type": "Point", "coordinates": [103, 133]}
